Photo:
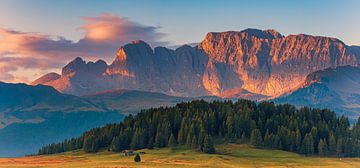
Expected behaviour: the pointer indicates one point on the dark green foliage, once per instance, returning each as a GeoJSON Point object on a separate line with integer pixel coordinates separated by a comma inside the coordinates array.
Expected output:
{"type": "Point", "coordinates": [194, 143]}
{"type": "Point", "coordinates": [307, 131]}
{"type": "Point", "coordinates": [208, 146]}
{"type": "Point", "coordinates": [172, 141]}
{"type": "Point", "coordinates": [309, 144]}
{"type": "Point", "coordinates": [322, 148]}
{"type": "Point", "coordinates": [255, 138]}
{"type": "Point", "coordinates": [137, 158]}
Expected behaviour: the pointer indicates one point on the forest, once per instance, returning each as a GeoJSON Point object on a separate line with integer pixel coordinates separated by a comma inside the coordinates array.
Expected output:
{"type": "Point", "coordinates": [201, 125]}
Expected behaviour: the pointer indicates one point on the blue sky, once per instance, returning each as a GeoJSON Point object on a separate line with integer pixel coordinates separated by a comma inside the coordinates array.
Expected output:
{"type": "Point", "coordinates": [188, 21]}
{"type": "Point", "coordinates": [39, 36]}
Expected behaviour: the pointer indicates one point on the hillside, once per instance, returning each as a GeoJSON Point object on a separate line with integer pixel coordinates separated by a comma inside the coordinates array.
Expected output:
{"type": "Point", "coordinates": [228, 156]}
{"type": "Point", "coordinates": [334, 88]}
{"type": "Point", "coordinates": [198, 124]}
{"type": "Point", "coordinates": [21, 103]}
{"type": "Point", "coordinates": [32, 116]}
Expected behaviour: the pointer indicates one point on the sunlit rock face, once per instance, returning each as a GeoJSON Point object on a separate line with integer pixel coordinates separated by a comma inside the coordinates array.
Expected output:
{"type": "Point", "coordinates": [251, 64]}
{"type": "Point", "coordinates": [267, 63]}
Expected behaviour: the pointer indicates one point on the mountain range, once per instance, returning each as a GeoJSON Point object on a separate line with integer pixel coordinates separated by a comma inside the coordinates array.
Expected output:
{"type": "Point", "coordinates": [251, 64]}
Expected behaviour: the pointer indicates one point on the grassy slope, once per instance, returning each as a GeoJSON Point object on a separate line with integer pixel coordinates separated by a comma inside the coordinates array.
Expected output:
{"type": "Point", "coordinates": [230, 155]}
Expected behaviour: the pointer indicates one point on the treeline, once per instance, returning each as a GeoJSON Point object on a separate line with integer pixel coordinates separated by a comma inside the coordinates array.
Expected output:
{"type": "Point", "coordinates": [198, 123]}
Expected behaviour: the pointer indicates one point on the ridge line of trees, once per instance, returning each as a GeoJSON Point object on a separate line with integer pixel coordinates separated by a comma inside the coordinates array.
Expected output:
{"type": "Point", "coordinates": [198, 123]}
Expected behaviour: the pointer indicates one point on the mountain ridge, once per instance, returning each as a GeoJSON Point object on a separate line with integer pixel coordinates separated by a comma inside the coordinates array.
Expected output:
{"type": "Point", "coordinates": [335, 88]}
{"type": "Point", "coordinates": [225, 64]}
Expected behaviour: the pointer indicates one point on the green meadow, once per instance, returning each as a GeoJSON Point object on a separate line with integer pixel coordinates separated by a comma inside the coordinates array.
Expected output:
{"type": "Point", "coordinates": [229, 155]}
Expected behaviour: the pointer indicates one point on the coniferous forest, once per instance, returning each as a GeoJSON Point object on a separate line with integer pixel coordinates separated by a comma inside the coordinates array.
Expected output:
{"type": "Point", "coordinates": [199, 125]}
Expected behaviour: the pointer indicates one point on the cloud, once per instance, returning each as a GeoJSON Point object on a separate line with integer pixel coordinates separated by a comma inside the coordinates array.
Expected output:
{"type": "Point", "coordinates": [103, 35]}
{"type": "Point", "coordinates": [9, 67]}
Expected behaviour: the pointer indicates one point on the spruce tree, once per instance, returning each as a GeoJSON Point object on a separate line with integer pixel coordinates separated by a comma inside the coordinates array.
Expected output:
{"type": "Point", "coordinates": [322, 147]}
{"type": "Point", "coordinates": [267, 140]}
{"type": "Point", "coordinates": [309, 144]}
{"type": "Point", "coordinates": [135, 141]}
{"type": "Point", "coordinates": [339, 147]}
{"type": "Point", "coordinates": [202, 135]}
{"type": "Point", "coordinates": [194, 143]}
{"type": "Point", "coordinates": [298, 140]}
{"type": "Point", "coordinates": [332, 144]}
{"type": "Point", "coordinates": [150, 144]}
{"type": "Point", "coordinates": [208, 146]}
{"type": "Point", "coordinates": [172, 142]}
{"type": "Point", "coordinates": [255, 138]}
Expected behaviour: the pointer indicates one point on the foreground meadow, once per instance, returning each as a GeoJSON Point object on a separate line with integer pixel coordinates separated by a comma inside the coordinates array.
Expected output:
{"type": "Point", "coordinates": [230, 155]}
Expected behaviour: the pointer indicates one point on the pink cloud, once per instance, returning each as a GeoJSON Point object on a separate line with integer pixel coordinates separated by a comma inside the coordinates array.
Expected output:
{"type": "Point", "coordinates": [103, 35]}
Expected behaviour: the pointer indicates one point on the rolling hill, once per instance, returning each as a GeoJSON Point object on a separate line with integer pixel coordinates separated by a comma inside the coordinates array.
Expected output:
{"type": "Point", "coordinates": [32, 116]}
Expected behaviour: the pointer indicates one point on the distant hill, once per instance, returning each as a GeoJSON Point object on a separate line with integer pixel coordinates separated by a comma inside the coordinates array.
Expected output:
{"type": "Point", "coordinates": [334, 88]}
{"type": "Point", "coordinates": [21, 103]}
{"type": "Point", "coordinates": [31, 116]}
{"type": "Point", "coordinates": [132, 101]}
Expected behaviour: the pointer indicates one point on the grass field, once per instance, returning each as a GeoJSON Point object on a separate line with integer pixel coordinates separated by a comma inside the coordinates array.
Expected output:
{"type": "Point", "coordinates": [230, 155]}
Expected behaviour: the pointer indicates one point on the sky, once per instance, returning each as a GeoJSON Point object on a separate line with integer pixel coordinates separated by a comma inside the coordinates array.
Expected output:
{"type": "Point", "coordinates": [41, 36]}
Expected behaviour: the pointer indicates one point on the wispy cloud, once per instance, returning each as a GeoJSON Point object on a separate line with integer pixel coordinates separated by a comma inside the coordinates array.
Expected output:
{"type": "Point", "coordinates": [103, 35]}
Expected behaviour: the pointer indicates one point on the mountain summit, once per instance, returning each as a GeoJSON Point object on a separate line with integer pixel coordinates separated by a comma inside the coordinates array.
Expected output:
{"type": "Point", "coordinates": [252, 64]}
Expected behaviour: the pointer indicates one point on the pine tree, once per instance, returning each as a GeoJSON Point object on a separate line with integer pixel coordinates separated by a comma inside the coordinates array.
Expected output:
{"type": "Point", "coordinates": [243, 138]}
{"type": "Point", "coordinates": [322, 148]}
{"type": "Point", "coordinates": [255, 138]}
{"type": "Point", "coordinates": [135, 141]}
{"type": "Point", "coordinates": [208, 146]}
{"type": "Point", "coordinates": [172, 141]}
{"type": "Point", "coordinates": [339, 147]}
{"type": "Point", "coordinates": [298, 140]}
{"type": "Point", "coordinates": [150, 144]}
{"type": "Point", "coordinates": [190, 136]}
{"type": "Point", "coordinates": [332, 144]}
{"type": "Point", "coordinates": [182, 135]}
{"type": "Point", "coordinates": [202, 135]}
{"type": "Point", "coordinates": [90, 144]}
{"type": "Point", "coordinates": [267, 140]}
{"type": "Point", "coordinates": [117, 144]}
{"type": "Point", "coordinates": [158, 140]}
{"type": "Point", "coordinates": [309, 144]}
{"type": "Point", "coordinates": [194, 143]}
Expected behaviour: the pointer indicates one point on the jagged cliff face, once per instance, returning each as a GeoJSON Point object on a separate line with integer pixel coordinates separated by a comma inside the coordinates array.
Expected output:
{"type": "Point", "coordinates": [267, 63]}
{"type": "Point", "coordinates": [251, 64]}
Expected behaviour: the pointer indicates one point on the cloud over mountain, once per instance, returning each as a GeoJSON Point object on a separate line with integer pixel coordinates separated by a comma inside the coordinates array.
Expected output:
{"type": "Point", "coordinates": [103, 35]}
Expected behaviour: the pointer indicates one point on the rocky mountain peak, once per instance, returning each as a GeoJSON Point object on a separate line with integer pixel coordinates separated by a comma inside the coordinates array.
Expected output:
{"type": "Point", "coordinates": [78, 65]}
{"type": "Point", "coordinates": [46, 78]}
